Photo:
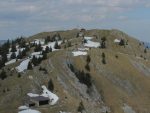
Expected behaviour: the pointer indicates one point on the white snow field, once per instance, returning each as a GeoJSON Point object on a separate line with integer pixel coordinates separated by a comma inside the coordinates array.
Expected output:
{"type": "Point", "coordinates": [52, 44]}
{"type": "Point", "coordinates": [116, 41]}
{"type": "Point", "coordinates": [10, 62]}
{"type": "Point", "coordinates": [91, 43]}
{"type": "Point", "coordinates": [79, 53]}
{"type": "Point", "coordinates": [23, 65]}
{"type": "Point", "coordinates": [17, 52]}
{"type": "Point", "coordinates": [36, 54]}
{"type": "Point", "coordinates": [23, 108]}
{"type": "Point", "coordinates": [37, 41]}
{"type": "Point", "coordinates": [46, 93]}
{"type": "Point", "coordinates": [53, 98]}
{"type": "Point", "coordinates": [88, 38]}
{"type": "Point", "coordinates": [29, 111]}
{"type": "Point", "coordinates": [83, 49]}
{"type": "Point", "coordinates": [32, 95]}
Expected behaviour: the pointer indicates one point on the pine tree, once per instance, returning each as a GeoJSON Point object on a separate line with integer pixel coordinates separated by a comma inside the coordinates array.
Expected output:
{"type": "Point", "coordinates": [103, 55]}
{"type": "Point", "coordinates": [2, 64]}
{"type": "Point", "coordinates": [50, 49]}
{"type": "Point", "coordinates": [122, 42]}
{"type": "Point", "coordinates": [20, 56]}
{"type": "Point", "coordinates": [56, 46]}
{"type": "Point", "coordinates": [81, 107]}
{"type": "Point", "coordinates": [4, 58]}
{"type": "Point", "coordinates": [77, 35]}
{"type": "Point", "coordinates": [103, 58]}
{"type": "Point", "coordinates": [103, 42]}
{"type": "Point", "coordinates": [47, 49]}
{"type": "Point", "coordinates": [87, 67]}
{"type": "Point", "coordinates": [84, 41]}
{"type": "Point", "coordinates": [47, 39]}
{"type": "Point", "coordinates": [13, 48]}
{"type": "Point", "coordinates": [8, 43]}
{"type": "Point", "coordinates": [103, 61]}
{"type": "Point", "coordinates": [68, 44]}
{"type": "Point", "coordinates": [38, 48]}
{"type": "Point", "coordinates": [3, 75]}
{"type": "Point", "coordinates": [34, 61]}
{"type": "Point", "coordinates": [88, 59]}
{"type": "Point", "coordinates": [13, 55]}
{"type": "Point", "coordinates": [51, 85]}
{"type": "Point", "coordinates": [44, 55]}
{"type": "Point", "coordinates": [29, 66]}
{"type": "Point", "coordinates": [24, 53]}
{"type": "Point", "coordinates": [145, 50]}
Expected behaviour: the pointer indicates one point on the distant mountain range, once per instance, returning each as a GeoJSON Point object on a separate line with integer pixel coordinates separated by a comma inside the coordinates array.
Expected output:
{"type": "Point", "coordinates": [147, 44]}
{"type": "Point", "coordinates": [2, 41]}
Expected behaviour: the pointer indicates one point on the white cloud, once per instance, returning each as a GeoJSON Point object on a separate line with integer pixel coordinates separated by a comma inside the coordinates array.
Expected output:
{"type": "Point", "coordinates": [123, 18]}
{"type": "Point", "coordinates": [31, 16]}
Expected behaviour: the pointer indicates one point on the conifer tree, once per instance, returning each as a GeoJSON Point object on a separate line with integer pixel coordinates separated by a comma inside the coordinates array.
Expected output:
{"type": "Point", "coordinates": [103, 42]}
{"type": "Point", "coordinates": [87, 67]}
{"type": "Point", "coordinates": [103, 58]}
{"type": "Point", "coordinates": [51, 85]}
{"type": "Point", "coordinates": [145, 50]}
{"type": "Point", "coordinates": [47, 49]}
{"type": "Point", "coordinates": [50, 49]}
{"type": "Point", "coordinates": [122, 42]}
{"type": "Point", "coordinates": [35, 61]}
{"type": "Point", "coordinates": [88, 59]}
{"type": "Point", "coordinates": [19, 55]}
{"type": "Point", "coordinates": [29, 66]}
{"type": "Point", "coordinates": [24, 53]}
{"type": "Point", "coordinates": [81, 107]}
{"type": "Point", "coordinates": [13, 55]}
{"type": "Point", "coordinates": [44, 55]}
{"type": "Point", "coordinates": [3, 75]}
{"type": "Point", "coordinates": [4, 58]}
{"type": "Point", "coordinates": [13, 48]}
{"type": "Point", "coordinates": [56, 46]}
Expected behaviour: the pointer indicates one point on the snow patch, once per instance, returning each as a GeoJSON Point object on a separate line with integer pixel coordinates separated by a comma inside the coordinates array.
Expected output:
{"type": "Point", "coordinates": [116, 41]}
{"type": "Point", "coordinates": [32, 95]}
{"type": "Point", "coordinates": [63, 112]}
{"type": "Point", "coordinates": [46, 93]}
{"type": "Point", "coordinates": [92, 44]}
{"type": "Point", "coordinates": [78, 53]}
{"type": "Point", "coordinates": [36, 54]}
{"type": "Point", "coordinates": [127, 109]}
{"type": "Point", "coordinates": [37, 41]}
{"type": "Point", "coordinates": [10, 62]}
{"type": "Point", "coordinates": [29, 111]}
{"type": "Point", "coordinates": [88, 38]}
{"type": "Point", "coordinates": [17, 52]}
{"type": "Point", "coordinates": [23, 65]}
{"type": "Point", "coordinates": [23, 107]}
{"type": "Point", "coordinates": [51, 44]}
{"type": "Point", "coordinates": [83, 49]}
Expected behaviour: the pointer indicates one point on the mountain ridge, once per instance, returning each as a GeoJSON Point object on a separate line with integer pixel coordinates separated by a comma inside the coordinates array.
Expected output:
{"type": "Point", "coordinates": [110, 78]}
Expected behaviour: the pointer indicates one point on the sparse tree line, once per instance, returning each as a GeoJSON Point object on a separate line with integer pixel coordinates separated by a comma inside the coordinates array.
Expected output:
{"type": "Point", "coordinates": [84, 78]}
{"type": "Point", "coordinates": [10, 46]}
{"type": "Point", "coordinates": [24, 48]}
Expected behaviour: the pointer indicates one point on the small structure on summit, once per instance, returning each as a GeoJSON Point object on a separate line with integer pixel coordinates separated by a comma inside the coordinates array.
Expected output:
{"type": "Point", "coordinates": [46, 98]}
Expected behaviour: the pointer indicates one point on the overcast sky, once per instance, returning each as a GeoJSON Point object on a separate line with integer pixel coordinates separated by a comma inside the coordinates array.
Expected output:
{"type": "Point", "coordinates": [28, 17]}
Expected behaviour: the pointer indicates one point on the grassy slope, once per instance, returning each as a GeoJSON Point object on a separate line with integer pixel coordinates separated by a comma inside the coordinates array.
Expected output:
{"type": "Point", "coordinates": [118, 81]}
